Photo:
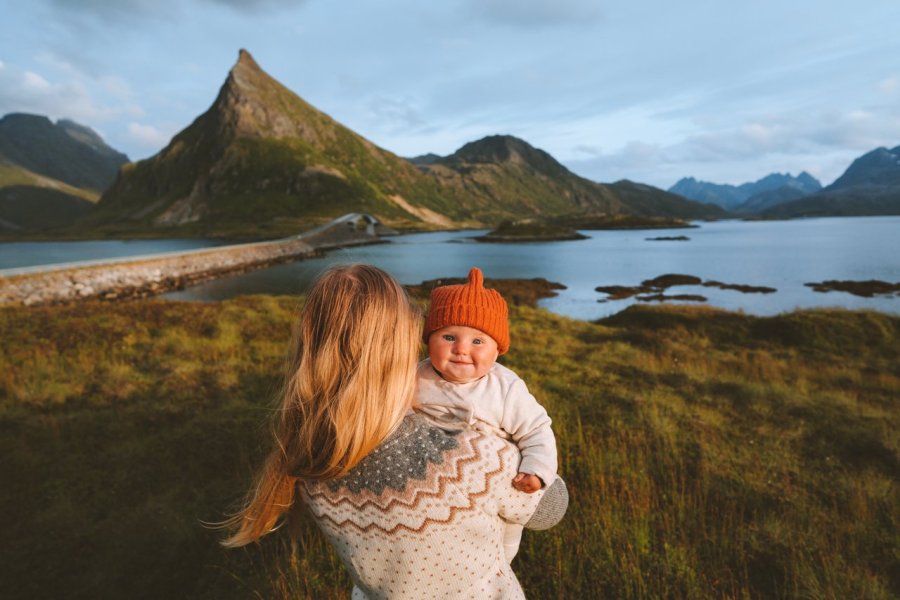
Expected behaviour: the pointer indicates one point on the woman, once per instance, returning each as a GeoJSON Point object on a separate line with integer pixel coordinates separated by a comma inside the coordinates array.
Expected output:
{"type": "Point", "coordinates": [412, 510]}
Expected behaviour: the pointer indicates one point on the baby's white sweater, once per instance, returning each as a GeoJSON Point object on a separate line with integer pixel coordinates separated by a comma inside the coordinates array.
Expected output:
{"type": "Point", "coordinates": [499, 403]}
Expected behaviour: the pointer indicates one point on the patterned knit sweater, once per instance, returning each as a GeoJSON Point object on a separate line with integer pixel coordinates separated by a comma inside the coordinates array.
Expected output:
{"type": "Point", "coordinates": [422, 516]}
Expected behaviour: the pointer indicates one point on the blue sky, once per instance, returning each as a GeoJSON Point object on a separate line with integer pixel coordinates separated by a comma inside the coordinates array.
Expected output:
{"type": "Point", "coordinates": [648, 90]}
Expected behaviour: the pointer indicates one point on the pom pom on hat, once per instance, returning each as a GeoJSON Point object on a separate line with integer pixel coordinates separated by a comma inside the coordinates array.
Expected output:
{"type": "Point", "coordinates": [471, 305]}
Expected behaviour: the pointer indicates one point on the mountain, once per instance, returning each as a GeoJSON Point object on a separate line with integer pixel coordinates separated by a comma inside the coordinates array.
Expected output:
{"type": "Point", "coordinates": [263, 162]}
{"type": "Point", "coordinates": [31, 202]}
{"type": "Point", "coordinates": [724, 195]}
{"type": "Point", "coordinates": [879, 168]}
{"type": "Point", "coordinates": [424, 159]}
{"type": "Point", "coordinates": [749, 197]}
{"type": "Point", "coordinates": [762, 201]}
{"type": "Point", "coordinates": [503, 177]}
{"type": "Point", "coordinates": [65, 151]}
{"type": "Point", "coordinates": [869, 186]}
{"type": "Point", "coordinates": [51, 174]}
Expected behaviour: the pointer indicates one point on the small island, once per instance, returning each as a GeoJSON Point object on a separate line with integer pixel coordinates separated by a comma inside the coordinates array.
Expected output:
{"type": "Point", "coordinates": [525, 292]}
{"type": "Point", "coordinates": [864, 289]}
{"type": "Point", "coordinates": [530, 231]}
{"type": "Point", "coordinates": [607, 221]}
{"type": "Point", "coordinates": [669, 238]}
{"type": "Point", "coordinates": [653, 290]}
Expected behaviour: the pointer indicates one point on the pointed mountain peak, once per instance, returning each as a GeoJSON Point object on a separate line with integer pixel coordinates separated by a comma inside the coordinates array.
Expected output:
{"type": "Point", "coordinates": [246, 69]}
{"type": "Point", "coordinates": [245, 59]}
{"type": "Point", "coordinates": [253, 103]}
{"type": "Point", "coordinates": [246, 74]}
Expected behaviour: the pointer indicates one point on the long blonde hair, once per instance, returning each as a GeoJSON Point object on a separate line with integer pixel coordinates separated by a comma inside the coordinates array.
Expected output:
{"type": "Point", "coordinates": [350, 379]}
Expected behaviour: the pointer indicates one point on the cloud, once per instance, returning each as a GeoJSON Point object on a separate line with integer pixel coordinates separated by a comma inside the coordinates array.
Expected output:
{"type": "Point", "coordinates": [256, 5]}
{"type": "Point", "coordinates": [137, 10]}
{"type": "Point", "coordinates": [889, 85]}
{"type": "Point", "coordinates": [822, 143]}
{"type": "Point", "coordinates": [537, 13]}
{"type": "Point", "coordinates": [394, 114]}
{"type": "Point", "coordinates": [147, 135]}
{"type": "Point", "coordinates": [33, 82]}
{"type": "Point", "coordinates": [27, 91]}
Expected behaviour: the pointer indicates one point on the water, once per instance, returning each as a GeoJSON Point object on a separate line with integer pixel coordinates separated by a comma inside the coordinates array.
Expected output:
{"type": "Point", "coordinates": [779, 254]}
{"type": "Point", "coordinates": [29, 254]}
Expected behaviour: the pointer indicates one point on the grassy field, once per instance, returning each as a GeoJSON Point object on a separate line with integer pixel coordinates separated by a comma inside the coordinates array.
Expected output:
{"type": "Point", "coordinates": [708, 454]}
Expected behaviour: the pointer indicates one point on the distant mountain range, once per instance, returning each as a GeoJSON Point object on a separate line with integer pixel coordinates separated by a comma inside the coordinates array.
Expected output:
{"type": "Point", "coordinates": [51, 174]}
{"type": "Point", "coordinates": [262, 162]}
{"type": "Point", "coordinates": [752, 197]}
{"type": "Point", "coordinates": [870, 186]}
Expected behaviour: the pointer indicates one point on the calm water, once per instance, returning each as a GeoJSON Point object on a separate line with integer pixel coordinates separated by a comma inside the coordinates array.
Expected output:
{"type": "Point", "coordinates": [29, 254]}
{"type": "Point", "coordinates": [780, 254]}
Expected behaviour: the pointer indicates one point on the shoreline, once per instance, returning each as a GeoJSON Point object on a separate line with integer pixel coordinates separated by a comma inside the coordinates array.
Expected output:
{"type": "Point", "coordinates": [139, 277]}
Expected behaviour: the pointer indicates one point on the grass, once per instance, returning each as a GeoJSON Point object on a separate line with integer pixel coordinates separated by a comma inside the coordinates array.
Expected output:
{"type": "Point", "coordinates": [16, 176]}
{"type": "Point", "coordinates": [708, 454]}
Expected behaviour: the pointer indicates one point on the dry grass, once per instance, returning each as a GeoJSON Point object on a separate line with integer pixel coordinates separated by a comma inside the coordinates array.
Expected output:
{"type": "Point", "coordinates": [708, 454]}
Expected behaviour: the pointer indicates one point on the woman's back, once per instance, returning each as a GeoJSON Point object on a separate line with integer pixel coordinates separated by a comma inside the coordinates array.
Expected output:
{"type": "Point", "coordinates": [413, 511]}
{"type": "Point", "coordinates": [425, 512]}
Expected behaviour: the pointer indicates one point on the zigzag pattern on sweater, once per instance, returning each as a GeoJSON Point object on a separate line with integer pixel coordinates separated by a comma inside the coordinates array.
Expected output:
{"type": "Point", "coordinates": [437, 495]}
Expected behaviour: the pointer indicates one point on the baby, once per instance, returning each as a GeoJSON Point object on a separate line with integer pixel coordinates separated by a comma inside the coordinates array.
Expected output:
{"type": "Point", "coordinates": [466, 330]}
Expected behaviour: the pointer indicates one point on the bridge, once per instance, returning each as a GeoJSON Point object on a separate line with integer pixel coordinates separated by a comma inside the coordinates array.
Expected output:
{"type": "Point", "coordinates": [353, 221]}
{"type": "Point", "coordinates": [138, 276]}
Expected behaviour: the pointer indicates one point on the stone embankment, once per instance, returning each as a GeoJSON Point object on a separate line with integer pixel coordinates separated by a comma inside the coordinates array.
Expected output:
{"type": "Point", "coordinates": [144, 276]}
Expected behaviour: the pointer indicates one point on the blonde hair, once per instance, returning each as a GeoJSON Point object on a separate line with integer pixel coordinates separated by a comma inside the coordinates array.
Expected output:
{"type": "Point", "coordinates": [349, 382]}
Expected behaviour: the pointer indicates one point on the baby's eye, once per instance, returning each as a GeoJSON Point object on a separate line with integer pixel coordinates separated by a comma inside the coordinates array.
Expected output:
{"type": "Point", "coordinates": [448, 337]}
{"type": "Point", "coordinates": [477, 341]}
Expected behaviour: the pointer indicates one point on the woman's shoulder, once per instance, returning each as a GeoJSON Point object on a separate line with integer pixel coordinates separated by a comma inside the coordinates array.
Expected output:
{"type": "Point", "coordinates": [419, 452]}
{"type": "Point", "coordinates": [405, 454]}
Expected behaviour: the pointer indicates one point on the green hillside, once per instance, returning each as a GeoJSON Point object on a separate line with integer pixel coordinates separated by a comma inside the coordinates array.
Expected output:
{"type": "Point", "coordinates": [708, 454]}
{"type": "Point", "coordinates": [263, 162]}
{"type": "Point", "coordinates": [31, 202]}
{"type": "Point", "coordinates": [64, 151]}
{"type": "Point", "coordinates": [51, 174]}
{"type": "Point", "coordinates": [502, 177]}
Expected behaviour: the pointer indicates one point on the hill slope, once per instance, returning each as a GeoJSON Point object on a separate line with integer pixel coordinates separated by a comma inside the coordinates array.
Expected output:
{"type": "Point", "coordinates": [502, 177]}
{"type": "Point", "coordinates": [65, 151]}
{"type": "Point", "coordinates": [261, 161]}
{"type": "Point", "coordinates": [50, 174]}
{"type": "Point", "coordinates": [259, 158]}
{"type": "Point", "coordinates": [869, 186]}
{"type": "Point", "coordinates": [30, 202]}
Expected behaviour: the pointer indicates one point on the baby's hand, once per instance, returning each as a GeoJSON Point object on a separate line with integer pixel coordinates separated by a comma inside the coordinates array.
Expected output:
{"type": "Point", "coordinates": [526, 482]}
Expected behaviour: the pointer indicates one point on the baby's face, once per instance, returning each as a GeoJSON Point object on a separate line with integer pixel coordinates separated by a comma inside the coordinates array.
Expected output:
{"type": "Point", "coordinates": [461, 354]}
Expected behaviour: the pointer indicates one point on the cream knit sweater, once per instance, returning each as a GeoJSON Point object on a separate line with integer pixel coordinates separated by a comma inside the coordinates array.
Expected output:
{"type": "Point", "coordinates": [422, 516]}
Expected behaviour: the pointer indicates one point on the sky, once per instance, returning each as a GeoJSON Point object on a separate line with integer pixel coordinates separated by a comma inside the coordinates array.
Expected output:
{"type": "Point", "coordinates": [646, 90]}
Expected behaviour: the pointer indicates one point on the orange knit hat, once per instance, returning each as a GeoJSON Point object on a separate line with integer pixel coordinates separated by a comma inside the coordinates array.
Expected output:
{"type": "Point", "coordinates": [470, 305]}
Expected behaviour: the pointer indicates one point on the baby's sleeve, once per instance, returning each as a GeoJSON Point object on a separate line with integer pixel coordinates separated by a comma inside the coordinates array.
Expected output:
{"type": "Point", "coordinates": [528, 423]}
